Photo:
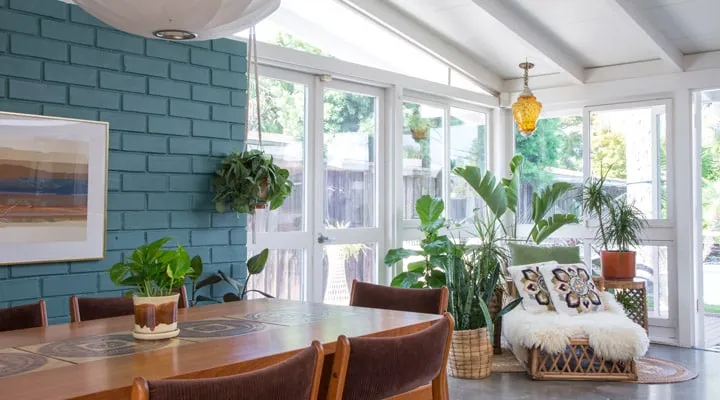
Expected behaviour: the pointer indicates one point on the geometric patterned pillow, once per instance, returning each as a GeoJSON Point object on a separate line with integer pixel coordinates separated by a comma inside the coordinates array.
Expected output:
{"type": "Point", "coordinates": [530, 284]}
{"type": "Point", "coordinates": [572, 289]}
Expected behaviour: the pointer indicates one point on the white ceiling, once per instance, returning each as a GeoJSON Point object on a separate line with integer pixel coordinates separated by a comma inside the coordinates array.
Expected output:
{"type": "Point", "coordinates": [588, 33]}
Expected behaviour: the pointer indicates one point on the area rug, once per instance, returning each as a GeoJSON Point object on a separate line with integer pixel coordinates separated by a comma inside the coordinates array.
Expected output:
{"type": "Point", "coordinates": [506, 362]}
{"type": "Point", "coordinates": [654, 370]}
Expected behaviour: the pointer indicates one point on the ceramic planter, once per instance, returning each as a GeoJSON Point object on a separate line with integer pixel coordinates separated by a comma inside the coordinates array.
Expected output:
{"type": "Point", "coordinates": [618, 265]}
{"type": "Point", "coordinates": [471, 354]}
{"type": "Point", "coordinates": [156, 317]}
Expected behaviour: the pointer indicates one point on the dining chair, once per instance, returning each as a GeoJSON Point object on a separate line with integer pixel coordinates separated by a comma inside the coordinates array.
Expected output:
{"type": "Point", "coordinates": [23, 317]}
{"type": "Point", "coordinates": [428, 301]}
{"type": "Point", "coordinates": [298, 377]}
{"type": "Point", "coordinates": [393, 367]}
{"type": "Point", "coordinates": [90, 308]}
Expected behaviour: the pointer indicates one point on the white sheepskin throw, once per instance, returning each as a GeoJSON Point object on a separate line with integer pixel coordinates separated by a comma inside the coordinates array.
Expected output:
{"type": "Point", "coordinates": [612, 334]}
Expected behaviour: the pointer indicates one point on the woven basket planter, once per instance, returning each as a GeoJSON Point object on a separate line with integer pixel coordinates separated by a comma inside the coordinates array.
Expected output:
{"type": "Point", "coordinates": [471, 354]}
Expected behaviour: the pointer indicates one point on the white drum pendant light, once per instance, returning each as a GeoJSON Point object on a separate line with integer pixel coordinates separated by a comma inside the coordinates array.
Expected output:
{"type": "Point", "coordinates": [180, 19]}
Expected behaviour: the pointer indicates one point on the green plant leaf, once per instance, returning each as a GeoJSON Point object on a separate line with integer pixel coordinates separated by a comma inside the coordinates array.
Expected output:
{"type": "Point", "coordinates": [487, 187]}
{"type": "Point", "coordinates": [210, 280]}
{"type": "Point", "coordinates": [395, 255]}
{"type": "Point", "coordinates": [231, 297]}
{"type": "Point", "coordinates": [417, 266]}
{"type": "Point", "coordinates": [230, 281]}
{"type": "Point", "coordinates": [256, 263]}
{"type": "Point", "coordinates": [487, 319]}
{"type": "Point", "coordinates": [512, 184]}
{"type": "Point", "coordinates": [509, 307]}
{"type": "Point", "coordinates": [546, 199]}
{"type": "Point", "coordinates": [437, 247]}
{"type": "Point", "coordinates": [437, 279]}
{"type": "Point", "coordinates": [544, 228]}
{"type": "Point", "coordinates": [196, 265]}
{"type": "Point", "coordinates": [429, 209]}
{"type": "Point", "coordinates": [205, 298]}
{"type": "Point", "coordinates": [406, 279]}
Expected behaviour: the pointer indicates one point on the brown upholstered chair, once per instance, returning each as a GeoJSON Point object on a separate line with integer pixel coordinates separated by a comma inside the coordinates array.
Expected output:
{"type": "Point", "coordinates": [90, 308]}
{"type": "Point", "coordinates": [23, 317]}
{"type": "Point", "coordinates": [295, 378]}
{"type": "Point", "coordinates": [381, 368]}
{"type": "Point", "coordinates": [428, 301]}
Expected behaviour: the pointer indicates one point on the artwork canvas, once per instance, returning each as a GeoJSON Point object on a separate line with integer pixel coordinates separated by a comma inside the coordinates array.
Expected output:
{"type": "Point", "coordinates": [53, 185]}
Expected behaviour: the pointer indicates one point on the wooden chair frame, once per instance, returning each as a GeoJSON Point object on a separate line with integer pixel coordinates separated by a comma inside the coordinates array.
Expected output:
{"type": "Point", "coordinates": [141, 389]}
{"type": "Point", "coordinates": [444, 297]}
{"type": "Point", "coordinates": [75, 306]}
{"type": "Point", "coordinates": [436, 390]}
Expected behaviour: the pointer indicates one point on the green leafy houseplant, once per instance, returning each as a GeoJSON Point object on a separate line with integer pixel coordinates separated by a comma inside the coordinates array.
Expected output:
{"type": "Point", "coordinates": [249, 180]}
{"type": "Point", "coordinates": [620, 226]}
{"type": "Point", "coordinates": [154, 271]}
{"type": "Point", "coordinates": [255, 265]}
{"type": "Point", "coordinates": [430, 271]}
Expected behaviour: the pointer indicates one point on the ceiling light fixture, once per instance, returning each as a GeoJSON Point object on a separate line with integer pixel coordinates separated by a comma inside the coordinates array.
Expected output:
{"type": "Point", "coordinates": [180, 19]}
{"type": "Point", "coordinates": [526, 109]}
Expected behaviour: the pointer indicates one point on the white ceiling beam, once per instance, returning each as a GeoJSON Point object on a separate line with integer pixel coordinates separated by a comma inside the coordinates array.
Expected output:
{"type": "Point", "coordinates": [422, 36]}
{"type": "Point", "coordinates": [534, 36]}
{"type": "Point", "coordinates": [666, 50]}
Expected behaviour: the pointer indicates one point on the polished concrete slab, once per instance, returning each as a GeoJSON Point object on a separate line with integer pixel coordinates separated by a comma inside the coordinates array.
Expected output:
{"type": "Point", "coordinates": [519, 387]}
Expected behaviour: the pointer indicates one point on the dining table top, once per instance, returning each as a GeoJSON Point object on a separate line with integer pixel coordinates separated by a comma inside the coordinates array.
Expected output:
{"type": "Point", "coordinates": [99, 359]}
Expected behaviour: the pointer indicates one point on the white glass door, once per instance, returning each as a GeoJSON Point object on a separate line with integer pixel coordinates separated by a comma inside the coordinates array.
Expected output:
{"type": "Point", "coordinates": [327, 232]}
{"type": "Point", "coordinates": [347, 213]}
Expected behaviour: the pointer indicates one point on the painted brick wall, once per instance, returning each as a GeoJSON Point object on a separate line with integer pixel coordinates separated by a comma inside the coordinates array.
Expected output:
{"type": "Point", "coordinates": [173, 110]}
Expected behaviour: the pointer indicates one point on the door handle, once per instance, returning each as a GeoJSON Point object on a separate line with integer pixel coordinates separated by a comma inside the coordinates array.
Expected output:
{"type": "Point", "coordinates": [323, 239]}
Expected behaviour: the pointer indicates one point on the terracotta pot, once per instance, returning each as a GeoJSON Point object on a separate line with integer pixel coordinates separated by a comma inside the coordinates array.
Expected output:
{"type": "Point", "coordinates": [618, 265]}
{"type": "Point", "coordinates": [419, 134]}
{"type": "Point", "coordinates": [156, 317]}
{"type": "Point", "coordinates": [471, 354]}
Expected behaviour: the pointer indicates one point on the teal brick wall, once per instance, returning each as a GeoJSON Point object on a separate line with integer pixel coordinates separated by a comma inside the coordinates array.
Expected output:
{"type": "Point", "coordinates": [174, 110]}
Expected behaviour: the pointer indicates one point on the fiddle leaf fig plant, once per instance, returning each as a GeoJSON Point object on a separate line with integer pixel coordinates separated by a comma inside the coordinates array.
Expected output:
{"type": "Point", "coordinates": [154, 271]}
{"type": "Point", "coordinates": [430, 270]}
{"type": "Point", "coordinates": [249, 180]}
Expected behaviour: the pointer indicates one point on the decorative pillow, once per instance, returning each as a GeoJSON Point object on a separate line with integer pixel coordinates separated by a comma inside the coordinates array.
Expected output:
{"type": "Point", "coordinates": [572, 289]}
{"type": "Point", "coordinates": [531, 286]}
{"type": "Point", "coordinates": [521, 254]}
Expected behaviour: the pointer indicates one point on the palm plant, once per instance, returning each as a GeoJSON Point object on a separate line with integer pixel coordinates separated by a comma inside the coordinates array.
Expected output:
{"type": "Point", "coordinates": [596, 201]}
{"type": "Point", "coordinates": [625, 223]}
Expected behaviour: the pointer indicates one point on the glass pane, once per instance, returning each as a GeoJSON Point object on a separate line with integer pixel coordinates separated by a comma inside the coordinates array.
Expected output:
{"type": "Point", "coordinates": [342, 264]}
{"type": "Point", "coordinates": [423, 131]}
{"type": "Point", "coordinates": [282, 276]}
{"type": "Point", "coordinates": [350, 126]}
{"type": "Point", "coordinates": [468, 141]}
{"type": "Point", "coordinates": [282, 110]}
{"type": "Point", "coordinates": [553, 153]}
{"type": "Point", "coordinates": [630, 145]}
{"type": "Point", "coordinates": [331, 28]}
{"type": "Point", "coordinates": [651, 265]}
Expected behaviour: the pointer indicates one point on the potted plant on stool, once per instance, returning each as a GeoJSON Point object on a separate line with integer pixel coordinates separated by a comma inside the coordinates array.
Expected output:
{"type": "Point", "coordinates": [620, 225]}
{"type": "Point", "coordinates": [156, 274]}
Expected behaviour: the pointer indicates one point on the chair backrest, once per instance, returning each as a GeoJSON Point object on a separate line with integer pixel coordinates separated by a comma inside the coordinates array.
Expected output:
{"type": "Point", "coordinates": [379, 368]}
{"type": "Point", "coordinates": [295, 378]}
{"type": "Point", "coordinates": [23, 317]}
{"type": "Point", "coordinates": [91, 308]}
{"type": "Point", "coordinates": [428, 301]}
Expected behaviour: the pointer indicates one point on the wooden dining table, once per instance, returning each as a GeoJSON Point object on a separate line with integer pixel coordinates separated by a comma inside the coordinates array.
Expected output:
{"type": "Point", "coordinates": [99, 359]}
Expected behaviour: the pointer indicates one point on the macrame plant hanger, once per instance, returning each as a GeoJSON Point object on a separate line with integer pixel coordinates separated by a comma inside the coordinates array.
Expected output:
{"type": "Point", "coordinates": [252, 64]}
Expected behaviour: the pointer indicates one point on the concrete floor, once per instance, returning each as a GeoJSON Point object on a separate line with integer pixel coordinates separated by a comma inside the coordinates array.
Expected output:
{"type": "Point", "coordinates": [518, 386]}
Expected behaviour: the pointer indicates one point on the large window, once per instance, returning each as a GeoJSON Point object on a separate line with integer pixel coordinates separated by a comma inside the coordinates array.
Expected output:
{"type": "Point", "coordinates": [629, 145]}
{"type": "Point", "coordinates": [468, 146]}
{"type": "Point", "coordinates": [553, 153]}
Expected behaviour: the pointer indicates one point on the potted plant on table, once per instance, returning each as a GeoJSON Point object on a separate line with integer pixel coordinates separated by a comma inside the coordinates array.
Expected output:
{"type": "Point", "coordinates": [156, 273]}
{"type": "Point", "coordinates": [255, 265]}
{"type": "Point", "coordinates": [620, 225]}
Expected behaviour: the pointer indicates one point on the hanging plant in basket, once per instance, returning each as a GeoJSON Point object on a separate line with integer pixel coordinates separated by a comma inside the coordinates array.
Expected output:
{"type": "Point", "coordinates": [250, 180]}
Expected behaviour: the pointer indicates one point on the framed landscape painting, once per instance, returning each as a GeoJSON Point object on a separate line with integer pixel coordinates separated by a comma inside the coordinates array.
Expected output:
{"type": "Point", "coordinates": [53, 186]}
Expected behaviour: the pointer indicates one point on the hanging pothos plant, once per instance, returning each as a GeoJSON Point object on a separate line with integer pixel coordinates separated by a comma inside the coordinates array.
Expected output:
{"type": "Point", "coordinates": [250, 180]}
